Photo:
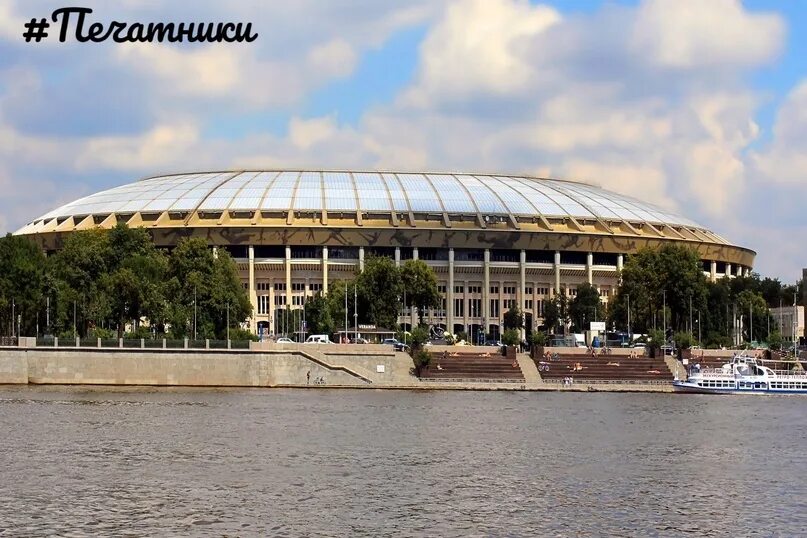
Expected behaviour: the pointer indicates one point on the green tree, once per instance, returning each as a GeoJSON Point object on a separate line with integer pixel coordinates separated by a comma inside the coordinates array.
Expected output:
{"type": "Point", "coordinates": [420, 284]}
{"type": "Point", "coordinates": [211, 284]}
{"type": "Point", "coordinates": [671, 274]}
{"type": "Point", "coordinates": [21, 282]}
{"type": "Point", "coordinates": [586, 307]}
{"type": "Point", "coordinates": [380, 288]}
{"type": "Point", "coordinates": [556, 313]}
{"type": "Point", "coordinates": [513, 318]}
{"type": "Point", "coordinates": [336, 303]}
{"type": "Point", "coordinates": [133, 284]}
{"type": "Point", "coordinates": [775, 340]}
{"type": "Point", "coordinates": [318, 316]}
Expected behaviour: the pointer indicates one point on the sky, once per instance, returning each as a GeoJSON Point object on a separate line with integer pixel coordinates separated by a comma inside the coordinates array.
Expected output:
{"type": "Point", "coordinates": [699, 107]}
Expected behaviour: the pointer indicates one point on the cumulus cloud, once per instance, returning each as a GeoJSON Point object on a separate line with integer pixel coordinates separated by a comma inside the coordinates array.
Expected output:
{"type": "Point", "coordinates": [784, 159]}
{"type": "Point", "coordinates": [649, 100]}
{"type": "Point", "coordinates": [684, 34]}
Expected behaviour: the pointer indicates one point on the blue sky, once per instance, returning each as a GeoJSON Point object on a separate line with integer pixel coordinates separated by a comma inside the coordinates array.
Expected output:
{"type": "Point", "coordinates": [696, 106]}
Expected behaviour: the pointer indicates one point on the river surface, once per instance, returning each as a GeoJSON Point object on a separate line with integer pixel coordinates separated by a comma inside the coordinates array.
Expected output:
{"type": "Point", "coordinates": [184, 462]}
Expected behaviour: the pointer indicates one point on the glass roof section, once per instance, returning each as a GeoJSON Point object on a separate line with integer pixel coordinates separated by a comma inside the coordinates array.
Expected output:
{"type": "Point", "coordinates": [343, 191]}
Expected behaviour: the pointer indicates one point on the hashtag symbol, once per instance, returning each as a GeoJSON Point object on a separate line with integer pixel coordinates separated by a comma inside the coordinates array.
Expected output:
{"type": "Point", "coordinates": [36, 30]}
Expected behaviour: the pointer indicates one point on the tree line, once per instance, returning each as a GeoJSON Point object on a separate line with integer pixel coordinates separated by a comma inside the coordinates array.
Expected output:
{"type": "Point", "coordinates": [666, 287]}
{"type": "Point", "coordinates": [377, 295]}
{"type": "Point", "coordinates": [104, 281]}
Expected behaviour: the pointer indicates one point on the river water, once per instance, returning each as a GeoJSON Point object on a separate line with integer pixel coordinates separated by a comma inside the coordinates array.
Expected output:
{"type": "Point", "coordinates": [183, 462]}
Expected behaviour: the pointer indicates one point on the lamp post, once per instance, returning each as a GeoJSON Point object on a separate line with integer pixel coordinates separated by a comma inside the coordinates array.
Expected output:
{"type": "Point", "coordinates": [630, 334]}
{"type": "Point", "coordinates": [194, 312]}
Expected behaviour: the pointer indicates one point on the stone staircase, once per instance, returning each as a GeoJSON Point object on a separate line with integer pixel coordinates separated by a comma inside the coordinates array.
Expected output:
{"type": "Point", "coordinates": [473, 367]}
{"type": "Point", "coordinates": [604, 368]}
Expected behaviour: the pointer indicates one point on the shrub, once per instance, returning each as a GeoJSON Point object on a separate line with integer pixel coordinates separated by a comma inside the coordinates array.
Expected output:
{"type": "Point", "coordinates": [511, 337]}
{"type": "Point", "coordinates": [103, 334]}
{"type": "Point", "coordinates": [240, 334]}
{"type": "Point", "coordinates": [683, 340]}
{"type": "Point", "coordinates": [418, 337]}
{"type": "Point", "coordinates": [538, 338]}
{"type": "Point", "coordinates": [775, 341]}
{"type": "Point", "coordinates": [421, 358]}
{"type": "Point", "coordinates": [656, 337]}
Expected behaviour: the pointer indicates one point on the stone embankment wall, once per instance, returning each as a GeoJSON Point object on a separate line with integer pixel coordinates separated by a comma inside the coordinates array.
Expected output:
{"type": "Point", "coordinates": [275, 367]}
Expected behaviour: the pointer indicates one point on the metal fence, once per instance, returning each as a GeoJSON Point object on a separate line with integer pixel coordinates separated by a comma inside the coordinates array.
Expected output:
{"type": "Point", "coordinates": [132, 343]}
{"type": "Point", "coordinates": [8, 341]}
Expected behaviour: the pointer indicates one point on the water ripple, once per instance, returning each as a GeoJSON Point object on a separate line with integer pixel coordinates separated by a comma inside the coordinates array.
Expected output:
{"type": "Point", "coordinates": [77, 462]}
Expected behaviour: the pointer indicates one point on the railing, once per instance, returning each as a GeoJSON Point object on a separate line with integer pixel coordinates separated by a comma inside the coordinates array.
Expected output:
{"type": "Point", "coordinates": [136, 343]}
{"type": "Point", "coordinates": [470, 380]}
{"type": "Point", "coordinates": [8, 341]}
{"type": "Point", "coordinates": [559, 381]}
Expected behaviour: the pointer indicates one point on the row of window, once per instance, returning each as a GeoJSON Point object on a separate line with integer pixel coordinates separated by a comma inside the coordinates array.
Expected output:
{"type": "Point", "coordinates": [494, 290]}
{"type": "Point", "coordinates": [441, 254]}
{"type": "Point", "coordinates": [474, 305]}
{"type": "Point", "coordinates": [281, 286]}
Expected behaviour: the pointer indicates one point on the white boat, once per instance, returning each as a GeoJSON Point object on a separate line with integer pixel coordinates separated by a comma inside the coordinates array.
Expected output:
{"type": "Point", "coordinates": [743, 375]}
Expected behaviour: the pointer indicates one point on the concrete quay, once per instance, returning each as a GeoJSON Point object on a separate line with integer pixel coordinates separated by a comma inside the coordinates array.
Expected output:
{"type": "Point", "coordinates": [265, 365]}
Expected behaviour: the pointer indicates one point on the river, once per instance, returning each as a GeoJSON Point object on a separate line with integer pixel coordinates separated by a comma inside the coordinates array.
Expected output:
{"type": "Point", "coordinates": [327, 462]}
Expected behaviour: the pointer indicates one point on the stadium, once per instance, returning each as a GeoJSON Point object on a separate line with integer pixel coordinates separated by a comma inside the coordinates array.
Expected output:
{"type": "Point", "coordinates": [493, 240]}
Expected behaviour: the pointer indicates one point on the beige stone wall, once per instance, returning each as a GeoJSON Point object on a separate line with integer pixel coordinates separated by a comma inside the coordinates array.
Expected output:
{"type": "Point", "coordinates": [183, 368]}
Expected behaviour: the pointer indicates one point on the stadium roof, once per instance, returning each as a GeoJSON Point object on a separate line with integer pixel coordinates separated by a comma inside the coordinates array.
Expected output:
{"type": "Point", "coordinates": [367, 192]}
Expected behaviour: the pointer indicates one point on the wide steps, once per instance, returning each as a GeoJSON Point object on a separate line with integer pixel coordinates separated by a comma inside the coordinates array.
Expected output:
{"type": "Point", "coordinates": [621, 368]}
{"type": "Point", "coordinates": [472, 366]}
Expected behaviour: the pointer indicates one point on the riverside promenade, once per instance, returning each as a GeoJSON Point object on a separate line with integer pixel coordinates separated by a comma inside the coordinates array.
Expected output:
{"type": "Point", "coordinates": [266, 365]}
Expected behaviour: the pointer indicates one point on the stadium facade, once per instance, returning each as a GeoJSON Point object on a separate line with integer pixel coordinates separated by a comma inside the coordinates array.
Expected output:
{"type": "Point", "coordinates": [493, 240]}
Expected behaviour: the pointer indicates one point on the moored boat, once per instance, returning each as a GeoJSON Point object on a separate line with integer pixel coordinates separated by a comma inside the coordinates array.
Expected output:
{"type": "Point", "coordinates": [743, 375]}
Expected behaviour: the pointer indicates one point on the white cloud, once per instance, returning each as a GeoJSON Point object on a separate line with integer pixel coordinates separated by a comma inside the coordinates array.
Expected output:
{"type": "Point", "coordinates": [477, 48]}
{"type": "Point", "coordinates": [683, 34]}
{"type": "Point", "coordinates": [162, 146]}
{"type": "Point", "coordinates": [335, 58]}
{"type": "Point", "coordinates": [784, 159]}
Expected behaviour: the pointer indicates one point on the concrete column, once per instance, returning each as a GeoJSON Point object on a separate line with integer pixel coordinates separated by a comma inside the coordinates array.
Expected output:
{"type": "Point", "coordinates": [271, 306]}
{"type": "Point", "coordinates": [590, 267]}
{"type": "Point", "coordinates": [397, 256]}
{"type": "Point", "coordinates": [557, 272]}
{"type": "Point", "coordinates": [536, 313]}
{"type": "Point", "coordinates": [522, 284]}
{"type": "Point", "coordinates": [620, 262]}
{"type": "Point", "coordinates": [500, 284]}
{"type": "Point", "coordinates": [215, 253]}
{"type": "Point", "coordinates": [728, 269]}
{"type": "Point", "coordinates": [415, 255]}
{"type": "Point", "coordinates": [713, 272]}
{"type": "Point", "coordinates": [361, 259]}
{"type": "Point", "coordinates": [467, 305]}
{"type": "Point", "coordinates": [450, 292]}
{"type": "Point", "coordinates": [325, 270]}
{"type": "Point", "coordinates": [288, 275]}
{"type": "Point", "coordinates": [253, 295]}
{"type": "Point", "coordinates": [486, 290]}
